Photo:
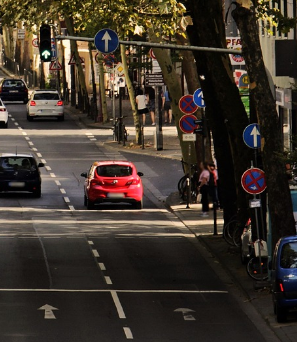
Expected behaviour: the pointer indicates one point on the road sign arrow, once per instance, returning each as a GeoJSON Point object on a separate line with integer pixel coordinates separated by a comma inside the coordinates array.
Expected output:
{"type": "Point", "coordinates": [186, 315]}
{"type": "Point", "coordinates": [48, 311]}
{"type": "Point", "coordinates": [255, 132]}
{"type": "Point", "coordinates": [106, 37]}
{"type": "Point", "coordinates": [46, 54]}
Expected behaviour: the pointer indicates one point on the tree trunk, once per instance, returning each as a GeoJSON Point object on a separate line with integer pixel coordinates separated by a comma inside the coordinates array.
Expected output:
{"type": "Point", "coordinates": [131, 95]}
{"type": "Point", "coordinates": [225, 113]}
{"type": "Point", "coordinates": [279, 198]}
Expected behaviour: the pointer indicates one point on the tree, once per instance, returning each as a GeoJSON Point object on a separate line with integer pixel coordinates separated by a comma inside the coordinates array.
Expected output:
{"type": "Point", "coordinates": [281, 212]}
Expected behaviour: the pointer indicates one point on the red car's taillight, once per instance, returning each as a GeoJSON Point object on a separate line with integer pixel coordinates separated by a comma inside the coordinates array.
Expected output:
{"type": "Point", "coordinates": [60, 103]}
{"type": "Point", "coordinates": [134, 181]}
{"type": "Point", "coordinates": [32, 103]}
{"type": "Point", "coordinates": [95, 182]}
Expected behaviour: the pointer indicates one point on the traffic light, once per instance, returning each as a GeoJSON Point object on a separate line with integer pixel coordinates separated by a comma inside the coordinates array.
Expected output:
{"type": "Point", "coordinates": [200, 126]}
{"type": "Point", "coordinates": [45, 47]}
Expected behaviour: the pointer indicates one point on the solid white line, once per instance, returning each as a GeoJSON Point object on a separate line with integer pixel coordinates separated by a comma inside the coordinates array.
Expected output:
{"type": "Point", "coordinates": [118, 304]}
{"type": "Point", "coordinates": [24, 133]}
{"type": "Point", "coordinates": [119, 291]}
{"type": "Point", "coordinates": [128, 333]}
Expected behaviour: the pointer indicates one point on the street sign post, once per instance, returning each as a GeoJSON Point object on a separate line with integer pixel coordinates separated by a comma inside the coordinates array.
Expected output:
{"type": "Point", "coordinates": [198, 98]}
{"type": "Point", "coordinates": [106, 40]}
{"type": "Point", "coordinates": [154, 80]}
{"type": "Point", "coordinates": [186, 104]}
{"type": "Point", "coordinates": [253, 181]}
{"type": "Point", "coordinates": [252, 136]}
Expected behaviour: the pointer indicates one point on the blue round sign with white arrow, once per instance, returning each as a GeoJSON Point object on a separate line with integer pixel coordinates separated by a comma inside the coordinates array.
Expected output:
{"type": "Point", "coordinates": [198, 98]}
{"type": "Point", "coordinates": [106, 40]}
{"type": "Point", "coordinates": [252, 136]}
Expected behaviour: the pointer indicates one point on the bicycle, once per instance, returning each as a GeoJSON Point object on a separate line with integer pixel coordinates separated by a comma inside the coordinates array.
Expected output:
{"type": "Point", "coordinates": [119, 130]}
{"type": "Point", "coordinates": [233, 231]}
{"type": "Point", "coordinates": [257, 267]}
{"type": "Point", "coordinates": [183, 184]}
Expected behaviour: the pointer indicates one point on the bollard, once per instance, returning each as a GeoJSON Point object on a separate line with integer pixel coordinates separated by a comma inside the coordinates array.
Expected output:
{"type": "Point", "coordinates": [188, 193]}
{"type": "Point", "coordinates": [142, 136]}
{"type": "Point", "coordinates": [215, 228]}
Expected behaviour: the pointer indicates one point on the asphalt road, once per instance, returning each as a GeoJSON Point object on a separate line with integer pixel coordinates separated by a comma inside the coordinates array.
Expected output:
{"type": "Point", "coordinates": [113, 274]}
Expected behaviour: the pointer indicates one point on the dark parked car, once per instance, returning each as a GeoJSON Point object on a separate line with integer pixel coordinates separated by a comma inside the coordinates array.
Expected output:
{"type": "Point", "coordinates": [284, 277]}
{"type": "Point", "coordinates": [20, 172]}
{"type": "Point", "coordinates": [13, 89]}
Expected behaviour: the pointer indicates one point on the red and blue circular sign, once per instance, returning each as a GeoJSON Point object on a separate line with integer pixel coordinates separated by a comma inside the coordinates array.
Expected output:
{"type": "Point", "coordinates": [187, 123]}
{"type": "Point", "coordinates": [253, 181]}
{"type": "Point", "coordinates": [187, 105]}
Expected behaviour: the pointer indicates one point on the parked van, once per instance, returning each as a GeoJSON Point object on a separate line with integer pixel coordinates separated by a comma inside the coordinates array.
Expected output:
{"type": "Point", "coordinates": [284, 277]}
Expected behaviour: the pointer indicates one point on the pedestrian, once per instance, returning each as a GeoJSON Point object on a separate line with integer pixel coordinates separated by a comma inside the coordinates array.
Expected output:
{"type": "Point", "coordinates": [203, 188]}
{"type": "Point", "coordinates": [141, 102]}
{"type": "Point", "coordinates": [167, 108]}
{"type": "Point", "coordinates": [150, 92]}
{"type": "Point", "coordinates": [213, 185]}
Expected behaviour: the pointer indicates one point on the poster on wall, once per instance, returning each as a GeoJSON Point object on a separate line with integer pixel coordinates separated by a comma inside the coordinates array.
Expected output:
{"type": "Point", "coordinates": [235, 44]}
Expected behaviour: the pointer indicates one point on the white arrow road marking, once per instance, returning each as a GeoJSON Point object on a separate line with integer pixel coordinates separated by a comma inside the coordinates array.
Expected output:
{"type": "Point", "coordinates": [186, 315]}
{"type": "Point", "coordinates": [48, 311]}
{"type": "Point", "coordinates": [255, 133]}
{"type": "Point", "coordinates": [106, 37]}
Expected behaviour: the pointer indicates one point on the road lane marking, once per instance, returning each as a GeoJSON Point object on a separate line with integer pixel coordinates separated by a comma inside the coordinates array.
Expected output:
{"type": "Point", "coordinates": [66, 199]}
{"type": "Point", "coordinates": [118, 304]}
{"type": "Point", "coordinates": [128, 333]}
{"type": "Point", "coordinates": [108, 280]}
{"type": "Point", "coordinates": [117, 291]}
{"type": "Point", "coordinates": [63, 191]}
{"type": "Point", "coordinates": [95, 253]}
{"type": "Point", "coordinates": [102, 266]}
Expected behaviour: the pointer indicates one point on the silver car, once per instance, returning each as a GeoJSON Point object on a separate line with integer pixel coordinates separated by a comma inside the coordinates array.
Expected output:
{"type": "Point", "coordinates": [3, 115]}
{"type": "Point", "coordinates": [45, 103]}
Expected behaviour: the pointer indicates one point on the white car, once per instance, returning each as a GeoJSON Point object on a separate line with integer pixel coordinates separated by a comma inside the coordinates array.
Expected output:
{"type": "Point", "coordinates": [45, 103]}
{"type": "Point", "coordinates": [3, 115]}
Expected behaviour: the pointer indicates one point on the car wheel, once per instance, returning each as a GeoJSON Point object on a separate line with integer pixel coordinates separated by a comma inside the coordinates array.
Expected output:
{"type": "Point", "coordinates": [29, 118]}
{"type": "Point", "coordinates": [139, 205]}
{"type": "Point", "coordinates": [37, 193]}
{"type": "Point", "coordinates": [281, 314]}
{"type": "Point", "coordinates": [90, 204]}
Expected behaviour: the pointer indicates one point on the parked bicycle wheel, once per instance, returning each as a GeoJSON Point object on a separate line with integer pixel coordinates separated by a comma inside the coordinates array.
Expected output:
{"type": "Point", "coordinates": [182, 187]}
{"type": "Point", "coordinates": [236, 237]}
{"type": "Point", "coordinates": [254, 270]}
{"type": "Point", "coordinates": [228, 231]}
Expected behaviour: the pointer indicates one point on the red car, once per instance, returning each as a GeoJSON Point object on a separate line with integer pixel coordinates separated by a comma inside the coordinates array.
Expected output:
{"type": "Point", "coordinates": [113, 181]}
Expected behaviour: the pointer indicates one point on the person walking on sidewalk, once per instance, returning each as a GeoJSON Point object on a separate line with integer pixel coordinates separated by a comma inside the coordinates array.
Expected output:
{"type": "Point", "coordinates": [141, 105]}
{"type": "Point", "coordinates": [203, 188]}
{"type": "Point", "coordinates": [150, 92]}
{"type": "Point", "coordinates": [167, 108]}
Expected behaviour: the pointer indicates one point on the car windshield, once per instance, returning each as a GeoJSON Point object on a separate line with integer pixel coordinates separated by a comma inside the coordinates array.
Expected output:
{"type": "Point", "coordinates": [288, 257]}
{"type": "Point", "coordinates": [114, 170]}
{"type": "Point", "coordinates": [17, 163]}
{"type": "Point", "coordinates": [46, 96]}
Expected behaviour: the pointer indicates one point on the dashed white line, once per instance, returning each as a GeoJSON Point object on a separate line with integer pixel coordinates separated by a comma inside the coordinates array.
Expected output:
{"type": "Point", "coordinates": [52, 175]}
{"type": "Point", "coordinates": [128, 333]}
{"type": "Point", "coordinates": [95, 253]}
{"type": "Point", "coordinates": [102, 266]}
{"type": "Point", "coordinates": [90, 242]}
{"type": "Point", "coordinates": [48, 168]}
{"type": "Point", "coordinates": [63, 191]}
{"type": "Point", "coordinates": [42, 160]}
{"type": "Point", "coordinates": [30, 143]}
{"type": "Point", "coordinates": [57, 182]}
{"type": "Point", "coordinates": [118, 304]}
{"type": "Point", "coordinates": [66, 199]}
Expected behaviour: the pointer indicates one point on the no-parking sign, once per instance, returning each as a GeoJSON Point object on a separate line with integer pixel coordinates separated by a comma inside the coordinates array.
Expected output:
{"type": "Point", "coordinates": [253, 181]}
{"type": "Point", "coordinates": [187, 123]}
{"type": "Point", "coordinates": [187, 105]}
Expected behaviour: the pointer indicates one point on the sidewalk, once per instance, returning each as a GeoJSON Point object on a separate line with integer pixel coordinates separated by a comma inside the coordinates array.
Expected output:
{"type": "Point", "coordinates": [225, 259]}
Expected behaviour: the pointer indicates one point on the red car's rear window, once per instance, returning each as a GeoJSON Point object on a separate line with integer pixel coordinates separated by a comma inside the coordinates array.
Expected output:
{"type": "Point", "coordinates": [114, 170]}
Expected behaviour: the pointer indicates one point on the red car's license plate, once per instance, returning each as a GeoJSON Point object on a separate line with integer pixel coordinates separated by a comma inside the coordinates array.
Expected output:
{"type": "Point", "coordinates": [115, 195]}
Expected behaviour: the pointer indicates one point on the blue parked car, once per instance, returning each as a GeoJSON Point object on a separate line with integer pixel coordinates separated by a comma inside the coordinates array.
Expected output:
{"type": "Point", "coordinates": [284, 277]}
